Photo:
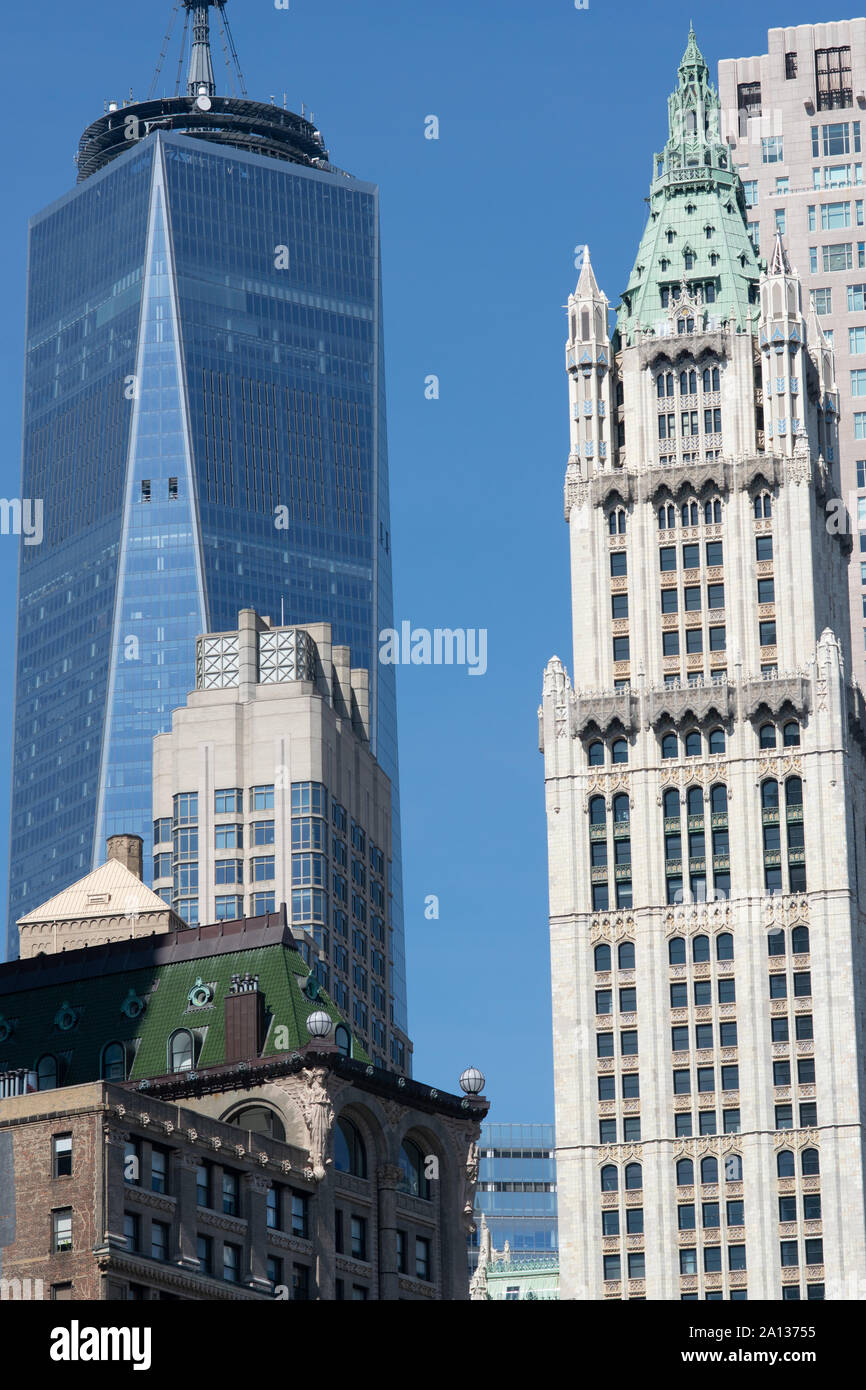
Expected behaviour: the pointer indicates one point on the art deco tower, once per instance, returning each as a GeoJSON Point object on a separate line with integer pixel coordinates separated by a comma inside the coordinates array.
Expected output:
{"type": "Point", "coordinates": [205, 421]}
{"type": "Point", "coordinates": [704, 773]}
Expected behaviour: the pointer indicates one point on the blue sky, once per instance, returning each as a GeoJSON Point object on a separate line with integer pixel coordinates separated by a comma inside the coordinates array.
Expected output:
{"type": "Point", "coordinates": [548, 117]}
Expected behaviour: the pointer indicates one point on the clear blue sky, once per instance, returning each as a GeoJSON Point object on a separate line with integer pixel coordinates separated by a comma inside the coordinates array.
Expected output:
{"type": "Point", "coordinates": [548, 120]}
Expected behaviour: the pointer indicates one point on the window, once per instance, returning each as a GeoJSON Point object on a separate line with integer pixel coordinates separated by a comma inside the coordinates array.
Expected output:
{"type": "Point", "coordinates": [618, 563]}
{"type": "Point", "coordinates": [609, 1178]}
{"type": "Point", "coordinates": [61, 1155]}
{"type": "Point", "coordinates": [132, 1230]}
{"type": "Point", "coordinates": [46, 1073]}
{"type": "Point", "coordinates": [751, 190]}
{"type": "Point", "coordinates": [159, 1235]}
{"type": "Point", "coordinates": [612, 1268]}
{"type": "Point", "coordinates": [61, 1230]}
{"type": "Point", "coordinates": [625, 954]}
{"type": "Point", "coordinates": [772, 149]}
{"type": "Point", "coordinates": [619, 750]}
{"type": "Point", "coordinates": [620, 649]}
{"type": "Point", "coordinates": [180, 1050]}
{"type": "Point", "coordinates": [231, 1263]}
{"type": "Point", "coordinates": [158, 1170]}
{"type": "Point", "coordinates": [230, 1193]}
{"type": "Point", "coordinates": [358, 1229]}
{"type": "Point", "coordinates": [833, 79]}
{"type": "Point", "coordinates": [422, 1258]}
{"type": "Point", "coordinates": [415, 1180]}
{"type": "Point", "coordinates": [633, 1177]}
{"type": "Point", "coordinates": [668, 557]}
{"type": "Point", "coordinates": [767, 633]}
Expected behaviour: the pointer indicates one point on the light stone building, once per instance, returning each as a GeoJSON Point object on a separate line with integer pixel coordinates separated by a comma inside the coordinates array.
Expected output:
{"type": "Point", "coordinates": [704, 773]}
{"type": "Point", "coordinates": [266, 792]}
{"type": "Point", "coordinates": [795, 121]}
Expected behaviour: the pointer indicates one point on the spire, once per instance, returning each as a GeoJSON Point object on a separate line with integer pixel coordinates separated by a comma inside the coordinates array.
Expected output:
{"type": "Point", "coordinates": [587, 285]}
{"type": "Point", "coordinates": [693, 59]}
{"type": "Point", "coordinates": [779, 263]}
{"type": "Point", "coordinates": [200, 72]}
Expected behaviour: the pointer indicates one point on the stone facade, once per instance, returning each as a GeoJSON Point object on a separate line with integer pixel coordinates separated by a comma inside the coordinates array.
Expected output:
{"type": "Point", "coordinates": [705, 783]}
{"type": "Point", "coordinates": [795, 138]}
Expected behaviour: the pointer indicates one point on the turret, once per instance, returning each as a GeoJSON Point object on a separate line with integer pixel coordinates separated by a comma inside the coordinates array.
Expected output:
{"type": "Point", "coordinates": [588, 359]}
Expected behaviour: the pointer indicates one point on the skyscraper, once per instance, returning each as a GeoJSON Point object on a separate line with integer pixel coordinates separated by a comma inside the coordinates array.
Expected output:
{"type": "Point", "coordinates": [793, 118]}
{"type": "Point", "coordinates": [705, 773]}
{"type": "Point", "coordinates": [204, 419]}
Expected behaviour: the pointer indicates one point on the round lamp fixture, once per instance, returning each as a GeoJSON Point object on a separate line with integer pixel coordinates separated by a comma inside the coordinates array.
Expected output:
{"type": "Point", "coordinates": [472, 1081]}
{"type": "Point", "coordinates": [319, 1024]}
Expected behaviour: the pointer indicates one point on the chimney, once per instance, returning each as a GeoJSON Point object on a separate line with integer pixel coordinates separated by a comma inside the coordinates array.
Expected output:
{"type": "Point", "coordinates": [127, 850]}
{"type": "Point", "coordinates": [244, 1019]}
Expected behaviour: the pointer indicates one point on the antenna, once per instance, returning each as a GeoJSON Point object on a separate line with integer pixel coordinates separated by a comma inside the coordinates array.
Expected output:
{"type": "Point", "coordinates": [165, 43]}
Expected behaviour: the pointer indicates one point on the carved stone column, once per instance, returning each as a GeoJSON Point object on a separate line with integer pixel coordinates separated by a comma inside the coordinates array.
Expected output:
{"type": "Point", "coordinates": [254, 1188]}
{"type": "Point", "coordinates": [113, 1196]}
{"type": "Point", "coordinates": [183, 1185]}
{"type": "Point", "coordinates": [388, 1178]}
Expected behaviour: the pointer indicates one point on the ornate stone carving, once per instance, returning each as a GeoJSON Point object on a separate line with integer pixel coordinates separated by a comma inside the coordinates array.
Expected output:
{"type": "Point", "coordinates": [470, 1179]}
{"type": "Point", "coordinates": [318, 1113]}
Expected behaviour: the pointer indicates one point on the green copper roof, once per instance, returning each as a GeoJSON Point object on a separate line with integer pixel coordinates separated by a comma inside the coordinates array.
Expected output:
{"type": "Point", "coordinates": [696, 232]}
{"type": "Point", "coordinates": [96, 999]}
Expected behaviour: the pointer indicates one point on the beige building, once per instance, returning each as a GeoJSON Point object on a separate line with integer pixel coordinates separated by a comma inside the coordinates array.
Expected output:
{"type": "Point", "coordinates": [704, 773]}
{"type": "Point", "coordinates": [266, 792]}
{"type": "Point", "coordinates": [109, 904]}
{"type": "Point", "coordinates": [795, 120]}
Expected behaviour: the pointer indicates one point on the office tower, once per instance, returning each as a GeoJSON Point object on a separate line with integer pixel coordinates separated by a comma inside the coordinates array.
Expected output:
{"type": "Point", "coordinates": [516, 1192]}
{"type": "Point", "coordinates": [205, 420]}
{"type": "Point", "coordinates": [213, 1132]}
{"type": "Point", "coordinates": [793, 119]}
{"type": "Point", "coordinates": [265, 792]}
{"type": "Point", "coordinates": [704, 773]}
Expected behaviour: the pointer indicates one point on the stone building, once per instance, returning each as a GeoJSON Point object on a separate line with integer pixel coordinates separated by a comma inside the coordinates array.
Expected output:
{"type": "Point", "coordinates": [265, 791]}
{"type": "Point", "coordinates": [792, 118]}
{"type": "Point", "coordinates": [108, 904]}
{"type": "Point", "coordinates": [187, 1116]}
{"type": "Point", "coordinates": [704, 772]}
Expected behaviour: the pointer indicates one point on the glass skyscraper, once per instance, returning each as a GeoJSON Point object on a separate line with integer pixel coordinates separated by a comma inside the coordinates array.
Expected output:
{"type": "Point", "coordinates": [516, 1190]}
{"type": "Point", "coordinates": [204, 419]}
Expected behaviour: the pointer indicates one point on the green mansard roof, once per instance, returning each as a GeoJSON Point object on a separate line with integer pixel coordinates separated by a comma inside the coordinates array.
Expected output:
{"type": "Point", "coordinates": [101, 990]}
{"type": "Point", "coordinates": [694, 188]}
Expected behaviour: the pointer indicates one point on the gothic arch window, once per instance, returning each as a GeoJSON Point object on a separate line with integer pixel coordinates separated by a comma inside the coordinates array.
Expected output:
{"type": "Point", "coordinates": [181, 1050]}
{"type": "Point", "coordinates": [670, 749]}
{"type": "Point", "coordinates": [708, 232]}
{"type": "Point", "coordinates": [689, 260]}
{"type": "Point", "coordinates": [713, 511]}
{"type": "Point", "coordinates": [596, 757]}
{"type": "Point", "coordinates": [350, 1154]}
{"type": "Point", "coordinates": [767, 736]}
{"type": "Point", "coordinates": [695, 801]}
{"type": "Point", "coordinates": [689, 514]}
{"type": "Point", "coordinates": [793, 792]}
{"type": "Point", "coordinates": [800, 941]}
{"type": "Point", "coordinates": [690, 207]}
{"type": "Point", "coordinates": [601, 957]}
{"type": "Point", "coordinates": [677, 950]}
{"type": "Point", "coordinates": [670, 236]}
{"type": "Point", "coordinates": [693, 744]}
{"type": "Point", "coordinates": [616, 522]}
{"type": "Point", "coordinates": [665, 384]}
{"type": "Point", "coordinates": [724, 946]}
{"type": "Point", "coordinates": [709, 1169]}
{"type": "Point", "coordinates": [700, 949]}
{"type": "Point", "coordinates": [688, 382]}
{"type": "Point", "coordinates": [621, 808]}
{"type": "Point", "coordinates": [810, 1163]}
{"type": "Point", "coordinates": [770, 795]}
{"type": "Point", "coordinates": [763, 505]}
{"type": "Point", "coordinates": [664, 263]}
{"type": "Point", "coordinates": [716, 741]}
{"type": "Point", "coordinates": [685, 1173]}
{"type": "Point", "coordinates": [785, 1164]}
{"type": "Point", "coordinates": [597, 813]}
{"type": "Point", "coordinates": [609, 1178]}
{"type": "Point", "coordinates": [711, 380]}
{"type": "Point", "coordinates": [46, 1073]}
{"type": "Point", "coordinates": [671, 803]}
{"type": "Point", "coordinates": [113, 1066]}
{"type": "Point", "coordinates": [633, 1177]}
{"type": "Point", "coordinates": [734, 1168]}
{"type": "Point", "coordinates": [791, 734]}
{"type": "Point", "coordinates": [619, 750]}
{"type": "Point", "coordinates": [625, 955]}
{"type": "Point", "coordinates": [719, 799]}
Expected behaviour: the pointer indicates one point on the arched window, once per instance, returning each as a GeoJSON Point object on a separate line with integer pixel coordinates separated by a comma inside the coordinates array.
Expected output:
{"type": "Point", "coordinates": [689, 514]}
{"type": "Point", "coordinates": [596, 754]}
{"type": "Point", "coordinates": [733, 1168]}
{"type": "Point", "coordinates": [700, 949]}
{"type": "Point", "coordinates": [724, 946]}
{"type": "Point", "coordinates": [602, 957]}
{"type": "Point", "coordinates": [712, 511]}
{"type": "Point", "coordinates": [785, 1164]}
{"type": "Point", "coordinates": [672, 517]}
{"type": "Point", "coordinates": [776, 943]}
{"type": "Point", "coordinates": [621, 808]}
{"type": "Point", "coordinates": [669, 746]}
{"type": "Point", "coordinates": [709, 1169]}
{"type": "Point", "coordinates": [620, 521]}
{"type": "Point", "coordinates": [685, 1172]}
{"type": "Point", "coordinates": [767, 736]}
{"type": "Point", "coordinates": [597, 811]}
{"type": "Point", "coordinates": [46, 1073]}
{"type": "Point", "coordinates": [633, 1177]}
{"type": "Point", "coordinates": [810, 1163]}
{"type": "Point", "coordinates": [619, 750]}
{"type": "Point", "coordinates": [662, 514]}
{"type": "Point", "coordinates": [609, 1178]}
{"type": "Point", "coordinates": [677, 950]}
{"type": "Point", "coordinates": [625, 955]}
{"type": "Point", "coordinates": [584, 325]}
{"type": "Point", "coordinates": [350, 1155]}
{"type": "Point", "coordinates": [181, 1050]}
{"type": "Point", "coordinates": [794, 792]}
{"type": "Point", "coordinates": [114, 1062]}
{"type": "Point", "coordinates": [791, 734]}
{"type": "Point", "coordinates": [719, 799]}
{"type": "Point", "coordinates": [412, 1162]}
{"type": "Point", "coordinates": [660, 384]}
{"type": "Point", "coordinates": [693, 744]}
{"type": "Point", "coordinates": [711, 378]}
{"type": "Point", "coordinates": [258, 1119]}
{"type": "Point", "coordinates": [800, 941]}
{"type": "Point", "coordinates": [695, 801]}
{"type": "Point", "coordinates": [671, 804]}
{"type": "Point", "coordinates": [343, 1040]}
{"type": "Point", "coordinates": [611, 523]}
{"type": "Point", "coordinates": [769, 795]}
{"type": "Point", "coordinates": [716, 741]}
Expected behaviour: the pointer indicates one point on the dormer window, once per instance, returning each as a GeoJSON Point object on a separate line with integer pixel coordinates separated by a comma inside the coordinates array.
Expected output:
{"type": "Point", "coordinates": [708, 232]}
{"type": "Point", "coordinates": [670, 237]}
{"type": "Point", "coordinates": [690, 207]}
{"type": "Point", "coordinates": [689, 260]}
{"type": "Point", "coordinates": [714, 260]}
{"type": "Point", "coordinates": [664, 263]}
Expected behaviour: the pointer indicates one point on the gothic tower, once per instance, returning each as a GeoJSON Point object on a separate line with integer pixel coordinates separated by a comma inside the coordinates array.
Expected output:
{"type": "Point", "coordinates": [705, 773]}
